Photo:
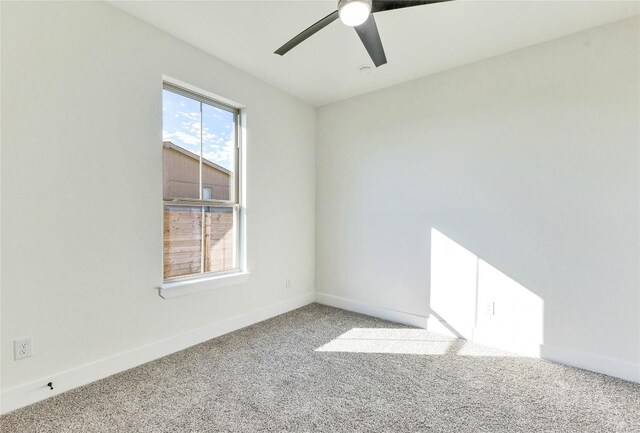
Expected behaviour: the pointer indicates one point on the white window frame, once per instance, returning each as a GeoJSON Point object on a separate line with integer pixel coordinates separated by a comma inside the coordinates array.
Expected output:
{"type": "Point", "coordinates": [193, 283]}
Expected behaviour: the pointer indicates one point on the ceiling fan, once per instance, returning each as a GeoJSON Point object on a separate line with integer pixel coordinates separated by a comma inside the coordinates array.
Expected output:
{"type": "Point", "coordinates": [359, 15]}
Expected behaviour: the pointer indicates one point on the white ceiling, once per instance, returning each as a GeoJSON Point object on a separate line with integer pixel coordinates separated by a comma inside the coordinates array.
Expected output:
{"type": "Point", "coordinates": [418, 41]}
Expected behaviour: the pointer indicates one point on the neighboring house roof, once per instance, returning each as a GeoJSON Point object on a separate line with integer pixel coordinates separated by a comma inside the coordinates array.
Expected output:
{"type": "Point", "coordinates": [170, 145]}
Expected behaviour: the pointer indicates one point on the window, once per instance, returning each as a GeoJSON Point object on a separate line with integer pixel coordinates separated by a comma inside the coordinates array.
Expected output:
{"type": "Point", "coordinates": [200, 174]}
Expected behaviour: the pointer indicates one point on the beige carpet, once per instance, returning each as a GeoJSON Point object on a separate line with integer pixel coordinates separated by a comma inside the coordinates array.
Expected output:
{"type": "Point", "coordinates": [320, 369]}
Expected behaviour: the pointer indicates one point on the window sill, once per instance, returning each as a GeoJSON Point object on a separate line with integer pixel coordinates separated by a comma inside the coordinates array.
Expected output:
{"type": "Point", "coordinates": [187, 287]}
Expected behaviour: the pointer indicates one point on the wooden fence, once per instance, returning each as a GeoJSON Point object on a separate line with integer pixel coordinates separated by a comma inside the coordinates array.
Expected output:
{"type": "Point", "coordinates": [183, 247]}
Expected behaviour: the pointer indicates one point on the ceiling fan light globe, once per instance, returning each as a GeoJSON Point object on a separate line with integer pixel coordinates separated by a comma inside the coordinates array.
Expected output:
{"type": "Point", "coordinates": [354, 12]}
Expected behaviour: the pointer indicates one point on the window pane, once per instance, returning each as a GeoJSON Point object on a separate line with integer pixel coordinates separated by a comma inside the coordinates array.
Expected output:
{"type": "Point", "coordinates": [181, 123]}
{"type": "Point", "coordinates": [199, 164]}
{"type": "Point", "coordinates": [182, 240]}
{"type": "Point", "coordinates": [219, 240]}
{"type": "Point", "coordinates": [218, 151]}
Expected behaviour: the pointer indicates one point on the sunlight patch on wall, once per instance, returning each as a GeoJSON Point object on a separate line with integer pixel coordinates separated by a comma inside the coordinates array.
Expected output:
{"type": "Point", "coordinates": [479, 302]}
{"type": "Point", "coordinates": [517, 314]}
{"type": "Point", "coordinates": [454, 272]}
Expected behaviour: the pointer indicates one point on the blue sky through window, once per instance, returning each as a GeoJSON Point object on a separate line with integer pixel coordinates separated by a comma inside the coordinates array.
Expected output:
{"type": "Point", "coordinates": [182, 123]}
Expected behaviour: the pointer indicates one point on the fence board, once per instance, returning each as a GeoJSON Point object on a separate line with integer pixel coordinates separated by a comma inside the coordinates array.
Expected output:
{"type": "Point", "coordinates": [182, 242]}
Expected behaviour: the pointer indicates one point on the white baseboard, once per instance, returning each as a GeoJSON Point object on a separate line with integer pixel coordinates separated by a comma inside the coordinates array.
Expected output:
{"type": "Point", "coordinates": [429, 323]}
{"type": "Point", "coordinates": [370, 310]}
{"type": "Point", "coordinates": [32, 392]}
{"type": "Point", "coordinates": [587, 361]}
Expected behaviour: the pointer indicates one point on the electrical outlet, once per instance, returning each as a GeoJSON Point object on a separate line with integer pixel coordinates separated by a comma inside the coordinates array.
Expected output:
{"type": "Point", "coordinates": [22, 348]}
{"type": "Point", "coordinates": [287, 284]}
{"type": "Point", "coordinates": [489, 308]}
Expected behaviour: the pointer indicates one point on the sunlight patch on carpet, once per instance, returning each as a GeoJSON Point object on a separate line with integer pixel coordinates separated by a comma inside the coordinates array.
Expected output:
{"type": "Point", "coordinates": [406, 341]}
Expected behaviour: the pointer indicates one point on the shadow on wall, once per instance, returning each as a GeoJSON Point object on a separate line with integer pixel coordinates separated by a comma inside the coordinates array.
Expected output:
{"type": "Point", "coordinates": [471, 299]}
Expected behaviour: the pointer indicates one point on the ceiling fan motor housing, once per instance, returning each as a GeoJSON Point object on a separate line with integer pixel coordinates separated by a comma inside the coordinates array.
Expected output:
{"type": "Point", "coordinates": [354, 12]}
{"type": "Point", "coordinates": [341, 2]}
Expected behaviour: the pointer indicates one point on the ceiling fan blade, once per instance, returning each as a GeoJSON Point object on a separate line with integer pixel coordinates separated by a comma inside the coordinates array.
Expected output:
{"type": "Point", "coordinates": [386, 5]}
{"type": "Point", "coordinates": [308, 32]}
{"type": "Point", "coordinates": [368, 32]}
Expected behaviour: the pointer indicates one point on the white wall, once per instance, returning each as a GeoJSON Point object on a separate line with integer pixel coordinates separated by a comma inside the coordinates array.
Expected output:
{"type": "Point", "coordinates": [82, 193]}
{"type": "Point", "coordinates": [514, 180]}
{"type": "Point", "coordinates": [525, 167]}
